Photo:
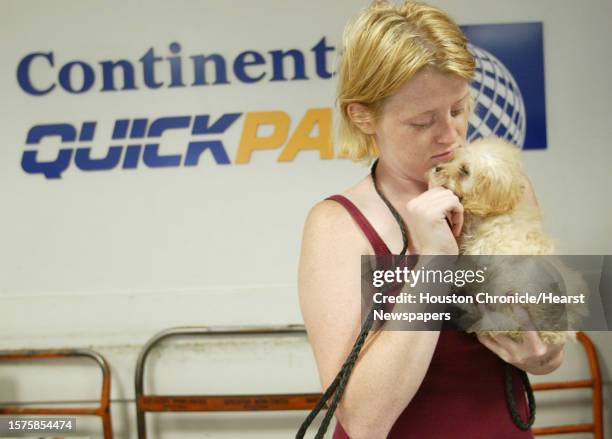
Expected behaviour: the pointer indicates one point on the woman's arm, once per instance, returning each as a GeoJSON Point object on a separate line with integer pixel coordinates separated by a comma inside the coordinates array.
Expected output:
{"type": "Point", "coordinates": [379, 388]}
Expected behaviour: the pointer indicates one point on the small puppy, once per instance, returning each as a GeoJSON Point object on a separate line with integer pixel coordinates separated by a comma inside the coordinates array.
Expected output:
{"type": "Point", "coordinates": [486, 175]}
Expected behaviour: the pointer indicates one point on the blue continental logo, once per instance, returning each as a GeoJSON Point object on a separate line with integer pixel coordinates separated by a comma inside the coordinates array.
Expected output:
{"type": "Point", "coordinates": [509, 87]}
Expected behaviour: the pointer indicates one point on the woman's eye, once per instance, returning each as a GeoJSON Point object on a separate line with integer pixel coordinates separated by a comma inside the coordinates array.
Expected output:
{"type": "Point", "coordinates": [457, 112]}
{"type": "Point", "coordinates": [422, 125]}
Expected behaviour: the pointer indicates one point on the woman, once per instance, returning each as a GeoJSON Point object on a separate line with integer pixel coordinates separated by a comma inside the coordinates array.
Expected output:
{"type": "Point", "coordinates": [403, 97]}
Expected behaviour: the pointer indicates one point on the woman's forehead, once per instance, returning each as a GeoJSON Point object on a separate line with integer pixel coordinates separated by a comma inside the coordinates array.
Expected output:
{"type": "Point", "coordinates": [428, 91]}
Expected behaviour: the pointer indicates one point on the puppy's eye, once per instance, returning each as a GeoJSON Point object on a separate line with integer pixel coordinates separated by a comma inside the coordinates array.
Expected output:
{"type": "Point", "coordinates": [438, 169]}
{"type": "Point", "coordinates": [464, 170]}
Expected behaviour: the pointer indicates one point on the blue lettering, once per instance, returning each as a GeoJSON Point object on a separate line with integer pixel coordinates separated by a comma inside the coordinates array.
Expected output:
{"type": "Point", "coordinates": [200, 73]}
{"type": "Point", "coordinates": [162, 124]}
{"type": "Point", "coordinates": [176, 75]}
{"type": "Point", "coordinates": [139, 127]}
{"type": "Point", "coordinates": [108, 79]}
{"type": "Point", "coordinates": [84, 161]}
{"type": "Point", "coordinates": [200, 124]}
{"type": "Point", "coordinates": [66, 132]}
{"type": "Point", "coordinates": [277, 64]}
{"type": "Point", "coordinates": [23, 74]}
{"type": "Point", "coordinates": [88, 129]}
{"type": "Point", "coordinates": [152, 159]}
{"type": "Point", "coordinates": [242, 61]}
{"type": "Point", "coordinates": [149, 153]}
{"type": "Point", "coordinates": [132, 155]}
{"type": "Point", "coordinates": [120, 129]}
{"type": "Point", "coordinates": [320, 59]}
{"type": "Point", "coordinates": [51, 169]}
{"type": "Point", "coordinates": [195, 149]}
{"type": "Point", "coordinates": [88, 77]}
{"type": "Point", "coordinates": [148, 60]}
{"type": "Point", "coordinates": [249, 66]}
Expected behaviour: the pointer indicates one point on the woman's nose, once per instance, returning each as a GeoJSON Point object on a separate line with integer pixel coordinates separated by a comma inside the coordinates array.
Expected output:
{"type": "Point", "coordinates": [448, 131]}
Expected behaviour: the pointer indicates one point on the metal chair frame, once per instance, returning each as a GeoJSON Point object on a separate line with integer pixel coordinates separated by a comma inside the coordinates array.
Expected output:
{"type": "Point", "coordinates": [103, 410]}
{"type": "Point", "coordinates": [207, 403]}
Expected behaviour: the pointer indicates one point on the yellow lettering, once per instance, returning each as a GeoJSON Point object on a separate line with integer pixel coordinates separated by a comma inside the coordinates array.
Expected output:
{"type": "Point", "coordinates": [249, 141]}
{"type": "Point", "coordinates": [301, 140]}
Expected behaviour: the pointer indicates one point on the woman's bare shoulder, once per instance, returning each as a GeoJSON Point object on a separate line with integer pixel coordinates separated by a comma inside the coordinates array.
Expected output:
{"type": "Point", "coordinates": [330, 218]}
{"type": "Point", "coordinates": [327, 219]}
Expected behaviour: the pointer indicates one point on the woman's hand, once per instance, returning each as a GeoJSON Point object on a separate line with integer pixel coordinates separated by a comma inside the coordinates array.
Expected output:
{"type": "Point", "coordinates": [435, 219]}
{"type": "Point", "coordinates": [530, 354]}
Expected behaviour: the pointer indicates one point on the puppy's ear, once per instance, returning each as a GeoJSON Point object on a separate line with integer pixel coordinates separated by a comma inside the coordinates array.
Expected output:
{"type": "Point", "coordinates": [502, 192]}
{"type": "Point", "coordinates": [499, 181]}
{"type": "Point", "coordinates": [362, 117]}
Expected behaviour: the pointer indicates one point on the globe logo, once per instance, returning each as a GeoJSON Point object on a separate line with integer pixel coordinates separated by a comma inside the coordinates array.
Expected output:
{"type": "Point", "coordinates": [499, 108]}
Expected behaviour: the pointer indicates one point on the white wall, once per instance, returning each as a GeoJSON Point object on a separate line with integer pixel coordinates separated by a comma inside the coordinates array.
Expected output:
{"type": "Point", "coordinates": [107, 259]}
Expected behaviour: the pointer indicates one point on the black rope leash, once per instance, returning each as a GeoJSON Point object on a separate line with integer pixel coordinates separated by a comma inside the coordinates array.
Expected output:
{"type": "Point", "coordinates": [516, 418]}
{"type": "Point", "coordinates": [338, 385]}
{"type": "Point", "coordinates": [394, 212]}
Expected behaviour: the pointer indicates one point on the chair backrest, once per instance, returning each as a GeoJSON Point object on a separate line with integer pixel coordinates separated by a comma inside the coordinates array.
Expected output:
{"type": "Point", "coordinates": [594, 383]}
{"type": "Point", "coordinates": [207, 403]}
{"type": "Point", "coordinates": [103, 409]}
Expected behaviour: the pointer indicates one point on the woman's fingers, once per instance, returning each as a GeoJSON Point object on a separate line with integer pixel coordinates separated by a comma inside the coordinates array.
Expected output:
{"type": "Point", "coordinates": [537, 348]}
{"type": "Point", "coordinates": [530, 353]}
{"type": "Point", "coordinates": [435, 219]}
{"type": "Point", "coordinates": [452, 209]}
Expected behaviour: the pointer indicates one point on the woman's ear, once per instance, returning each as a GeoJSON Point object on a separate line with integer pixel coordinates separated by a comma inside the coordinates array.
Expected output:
{"type": "Point", "coordinates": [361, 116]}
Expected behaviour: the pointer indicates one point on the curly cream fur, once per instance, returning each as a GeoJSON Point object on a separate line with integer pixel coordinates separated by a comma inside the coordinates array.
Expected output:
{"type": "Point", "coordinates": [487, 177]}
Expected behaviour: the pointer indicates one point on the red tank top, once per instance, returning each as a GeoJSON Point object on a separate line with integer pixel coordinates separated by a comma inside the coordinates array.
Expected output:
{"type": "Point", "coordinates": [462, 393]}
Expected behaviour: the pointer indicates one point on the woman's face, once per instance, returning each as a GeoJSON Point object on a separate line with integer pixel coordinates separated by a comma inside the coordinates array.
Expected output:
{"type": "Point", "coordinates": [423, 123]}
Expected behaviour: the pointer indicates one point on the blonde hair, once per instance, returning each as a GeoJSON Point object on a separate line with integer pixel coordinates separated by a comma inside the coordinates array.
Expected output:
{"type": "Point", "coordinates": [383, 47]}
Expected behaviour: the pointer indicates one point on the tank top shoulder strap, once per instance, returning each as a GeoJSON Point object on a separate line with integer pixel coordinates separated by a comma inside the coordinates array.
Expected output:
{"type": "Point", "coordinates": [379, 246]}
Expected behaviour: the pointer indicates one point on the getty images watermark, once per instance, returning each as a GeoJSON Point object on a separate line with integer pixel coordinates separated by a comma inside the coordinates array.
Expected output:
{"type": "Point", "coordinates": [492, 293]}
